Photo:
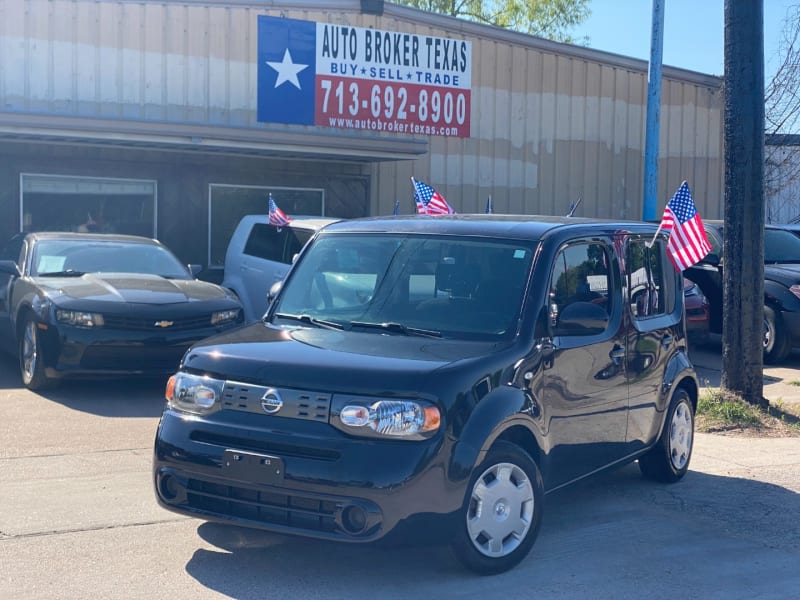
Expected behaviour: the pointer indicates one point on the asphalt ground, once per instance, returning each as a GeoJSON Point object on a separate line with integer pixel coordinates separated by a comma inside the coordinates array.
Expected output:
{"type": "Point", "coordinates": [78, 519]}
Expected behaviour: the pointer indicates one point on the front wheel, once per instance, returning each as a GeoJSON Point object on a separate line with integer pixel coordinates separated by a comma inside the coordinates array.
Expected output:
{"type": "Point", "coordinates": [502, 511]}
{"type": "Point", "coordinates": [668, 460]}
{"type": "Point", "coordinates": [776, 343]}
{"type": "Point", "coordinates": [31, 363]}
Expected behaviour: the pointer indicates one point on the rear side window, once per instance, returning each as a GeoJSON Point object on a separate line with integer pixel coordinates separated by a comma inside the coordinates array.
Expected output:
{"type": "Point", "coordinates": [645, 267]}
{"type": "Point", "coordinates": [267, 242]}
{"type": "Point", "coordinates": [296, 239]}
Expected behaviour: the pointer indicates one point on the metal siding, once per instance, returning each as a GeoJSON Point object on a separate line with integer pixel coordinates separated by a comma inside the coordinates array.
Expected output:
{"type": "Point", "coordinates": [550, 122]}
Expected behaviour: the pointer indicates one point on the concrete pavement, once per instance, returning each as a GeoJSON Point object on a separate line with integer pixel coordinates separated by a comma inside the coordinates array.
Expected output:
{"type": "Point", "coordinates": [781, 382]}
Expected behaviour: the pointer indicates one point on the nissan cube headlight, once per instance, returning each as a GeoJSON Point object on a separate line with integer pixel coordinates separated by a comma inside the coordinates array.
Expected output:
{"type": "Point", "coordinates": [193, 394]}
{"type": "Point", "coordinates": [395, 418]}
{"type": "Point", "coordinates": [80, 319]}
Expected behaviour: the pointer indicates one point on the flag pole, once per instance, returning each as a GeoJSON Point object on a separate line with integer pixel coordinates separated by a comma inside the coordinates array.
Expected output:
{"type": "Point", "coordinates": [653, 241]}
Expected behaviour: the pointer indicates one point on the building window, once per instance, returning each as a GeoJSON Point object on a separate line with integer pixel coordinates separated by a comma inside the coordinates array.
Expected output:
{"type": "Point", "coordinates": [227, 204]}
{"type": "Point", "coordinates": [69, 203]}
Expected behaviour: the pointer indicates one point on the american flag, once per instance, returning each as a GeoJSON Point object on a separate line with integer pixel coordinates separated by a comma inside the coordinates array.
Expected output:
{"type": "Point", "coordinates": [688, 242]}
{"type": "Point", "coordinates": [276, 216]}
{"type": "Point", "coordinates": [429, 201]}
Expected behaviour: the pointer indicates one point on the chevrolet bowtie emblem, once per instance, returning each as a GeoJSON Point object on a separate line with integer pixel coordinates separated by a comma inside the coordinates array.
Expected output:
{"type": "Point", "coordinates": [164, 323]}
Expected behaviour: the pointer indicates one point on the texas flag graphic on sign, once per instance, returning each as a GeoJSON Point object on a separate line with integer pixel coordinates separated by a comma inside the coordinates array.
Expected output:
{"type": "Point", "coordinates": [346, 77]}
{"type": "Point", "coordinates": [286, 70]}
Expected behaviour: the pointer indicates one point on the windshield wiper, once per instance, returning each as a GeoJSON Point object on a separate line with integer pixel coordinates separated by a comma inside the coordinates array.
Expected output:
{"type": "Point", "coordinates": [310, 320]}
{"type": "Point", "coordinates": [67, 273]}
{"type": "Point", "coordinates": [398, 328]}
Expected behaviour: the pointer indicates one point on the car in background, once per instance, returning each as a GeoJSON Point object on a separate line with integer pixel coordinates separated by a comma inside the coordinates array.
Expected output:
{"type": "Point", "coordinates": [84, 304]}
{"type": "Point", "coordinates": [698, 313]}
{"type": "Point", "coordinates": [781, 330]}
{"type": "Point", "coordinates": [259, 255]}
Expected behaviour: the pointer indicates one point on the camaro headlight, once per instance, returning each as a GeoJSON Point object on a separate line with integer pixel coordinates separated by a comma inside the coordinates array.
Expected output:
{"type": "Point", "coordinates": [193, 394]}
{"type": "Point", "coordinates": [224, 316]}
{"type": "Point", "coordinates": [82, 319]}
{"type": "Point", "coordinates": [392, 418]}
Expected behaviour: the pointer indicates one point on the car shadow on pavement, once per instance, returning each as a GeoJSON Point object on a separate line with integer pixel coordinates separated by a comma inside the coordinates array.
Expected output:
{"type": "Point", "coordinates": [588, 531]}
{"type": "Point", "coordinates": [124, 397]}
{"type": "Point", "coordinates": [118, 397]}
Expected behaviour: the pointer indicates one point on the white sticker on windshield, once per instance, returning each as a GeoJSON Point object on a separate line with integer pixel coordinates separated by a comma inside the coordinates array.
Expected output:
{"type": "Point", "coordinates": [51, 264]}
{"type": "Point", "coordinates": [519, 253]}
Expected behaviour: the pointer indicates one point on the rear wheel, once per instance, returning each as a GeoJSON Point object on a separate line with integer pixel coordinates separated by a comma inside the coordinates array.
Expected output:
{"type": "Point", "coordinates": [668, 460]}
{"type": "Point", "coordinates": [776, 343]}
{"type": "Point", "coordinates": [502, 512]}
{"type": "Point", "coordinates": [31, 364]}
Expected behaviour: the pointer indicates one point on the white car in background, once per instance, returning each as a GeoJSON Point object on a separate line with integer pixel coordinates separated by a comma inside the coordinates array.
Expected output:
{"type": "Point", "coordinates": [260, 254]}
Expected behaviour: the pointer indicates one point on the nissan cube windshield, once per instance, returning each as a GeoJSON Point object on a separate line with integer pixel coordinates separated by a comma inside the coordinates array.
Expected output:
{"type": "Point", "coordinates": [430, 286]}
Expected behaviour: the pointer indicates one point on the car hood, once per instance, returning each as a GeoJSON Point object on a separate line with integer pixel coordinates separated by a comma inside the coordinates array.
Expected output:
{"type": "Point", "coordinates": [785, 273]}
{"type": "Point", "coordinates": [129, 288]}
{"type": "Point", "coordinates": [332, 360]}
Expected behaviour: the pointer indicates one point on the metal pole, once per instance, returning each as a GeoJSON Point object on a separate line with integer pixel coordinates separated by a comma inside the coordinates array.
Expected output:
{"type": "Point", "coordinates": [653, 113]}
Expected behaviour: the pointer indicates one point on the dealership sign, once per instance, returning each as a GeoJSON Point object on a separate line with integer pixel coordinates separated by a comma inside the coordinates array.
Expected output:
{"type": "Point", "coordinates": [357, 78]}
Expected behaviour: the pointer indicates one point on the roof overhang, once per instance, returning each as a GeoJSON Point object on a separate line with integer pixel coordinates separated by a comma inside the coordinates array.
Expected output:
{"type": "Point", "coordinates": [266, 140]}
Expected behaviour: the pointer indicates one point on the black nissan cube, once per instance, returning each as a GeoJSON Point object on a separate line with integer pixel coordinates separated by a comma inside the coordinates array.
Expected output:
{"type": "Point", "coordinates": [450, 368]}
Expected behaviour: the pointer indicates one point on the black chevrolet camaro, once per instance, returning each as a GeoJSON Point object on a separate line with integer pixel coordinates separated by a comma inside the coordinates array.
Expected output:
{"type": "Point", "coordinates": [84, 304]}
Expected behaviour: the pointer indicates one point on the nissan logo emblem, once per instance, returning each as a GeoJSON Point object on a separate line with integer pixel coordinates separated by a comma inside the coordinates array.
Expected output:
{"type": "Point", "coordinates": [271, 401]}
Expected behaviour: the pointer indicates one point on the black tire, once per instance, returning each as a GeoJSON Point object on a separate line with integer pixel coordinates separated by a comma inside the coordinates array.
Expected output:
{"type": "Point", "coordinates": [31, 363]}
{"type": "Point", "coordinates": [668, 460]}
{"type": "Point", "coordinates": [776, 342]}
{"type": "Point", "coordinates": [493, 539]}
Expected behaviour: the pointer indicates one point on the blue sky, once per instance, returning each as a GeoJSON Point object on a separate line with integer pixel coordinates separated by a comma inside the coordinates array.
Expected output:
{"type": "Point", "coordinates": [693, 31]}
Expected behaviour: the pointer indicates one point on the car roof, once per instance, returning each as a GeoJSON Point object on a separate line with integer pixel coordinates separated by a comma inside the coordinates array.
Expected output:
{"type": "Point", "coordinates": [524, 227]}
{"type": "Point", "coordinates": [305, 221]}
{"type": "Point", "coordinates": [104, 237]}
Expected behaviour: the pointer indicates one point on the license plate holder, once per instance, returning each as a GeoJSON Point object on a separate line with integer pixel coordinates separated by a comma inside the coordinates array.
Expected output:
{"type": "Point", "coordinates": [252, 467]}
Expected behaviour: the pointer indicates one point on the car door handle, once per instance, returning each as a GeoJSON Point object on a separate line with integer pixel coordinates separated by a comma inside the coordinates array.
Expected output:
{"type": "Point", "coordinates": [617, 354]}
{"type": "Point", "coordinates": [666, 341]}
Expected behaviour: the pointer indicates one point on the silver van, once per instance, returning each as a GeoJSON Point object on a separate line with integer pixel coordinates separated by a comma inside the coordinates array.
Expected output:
{"type": "Point", "coordinates": [259, 254]}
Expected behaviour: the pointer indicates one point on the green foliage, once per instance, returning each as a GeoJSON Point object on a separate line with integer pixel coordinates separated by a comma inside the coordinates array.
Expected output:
{"type": "Point", "coordinates": [717, 412]}
{"type": "Point", "coordinates": [733, 413]}
{"type": "Point", "coordinates": [550, 19]}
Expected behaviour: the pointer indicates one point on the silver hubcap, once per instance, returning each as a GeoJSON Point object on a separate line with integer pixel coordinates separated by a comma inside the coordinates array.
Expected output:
{"type": "Point", "coordinates": [768, 333]}
{"type": "Point", "coordinates": [29, 352]}
{"type": "Point", "coordinates": [500, 510]}
{"type": "Point", "coordinates": [681, 432]}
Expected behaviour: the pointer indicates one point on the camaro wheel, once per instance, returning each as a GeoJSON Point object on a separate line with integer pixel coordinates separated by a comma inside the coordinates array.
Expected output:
{"type": "Point", "coordinates": [502, 511]}
{"type": "Point", "coordinates": [776, 343]}
{"type": "Point", "coordinates": [668, 460]}
{"type": "Point", "coordinates": [31, 364]}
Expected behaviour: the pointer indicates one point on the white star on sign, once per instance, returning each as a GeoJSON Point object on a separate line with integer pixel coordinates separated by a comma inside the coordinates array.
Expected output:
{"type": "Point", "coordinates": [287, 70]}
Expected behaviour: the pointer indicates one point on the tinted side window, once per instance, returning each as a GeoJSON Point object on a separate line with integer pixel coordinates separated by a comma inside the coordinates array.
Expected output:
{"type": "Point", "coordinates": [580, 300]}
{"type": "Point", "coordinates": [266, 241]}
{"type": "Point", "coordinates": [13, 249]}
{"type": "Point", "coordinates": [645, 268]}
{"type": "Point", "coordinates": [296, 239]}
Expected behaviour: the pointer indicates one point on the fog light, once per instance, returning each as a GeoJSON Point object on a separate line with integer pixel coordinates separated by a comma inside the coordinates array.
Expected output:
{"type": "Point", "coordinates": [354, 519]}
{"type": "Point", "coordinates": [170, 488]}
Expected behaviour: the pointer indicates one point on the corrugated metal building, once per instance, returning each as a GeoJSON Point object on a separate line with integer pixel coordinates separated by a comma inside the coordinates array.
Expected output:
{"type": "Point", "coordinates": [145, 116]}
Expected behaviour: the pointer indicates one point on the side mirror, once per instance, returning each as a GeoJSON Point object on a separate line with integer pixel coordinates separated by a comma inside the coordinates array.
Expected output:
{"type": "Point", "coordinates": [712, 259]}
{"type": "Point", "coordinates": [194, 269]}
{"type": "Point", "coordinates": [274, 291]}
{"type": "Point", "coordinates": [9, 267]}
